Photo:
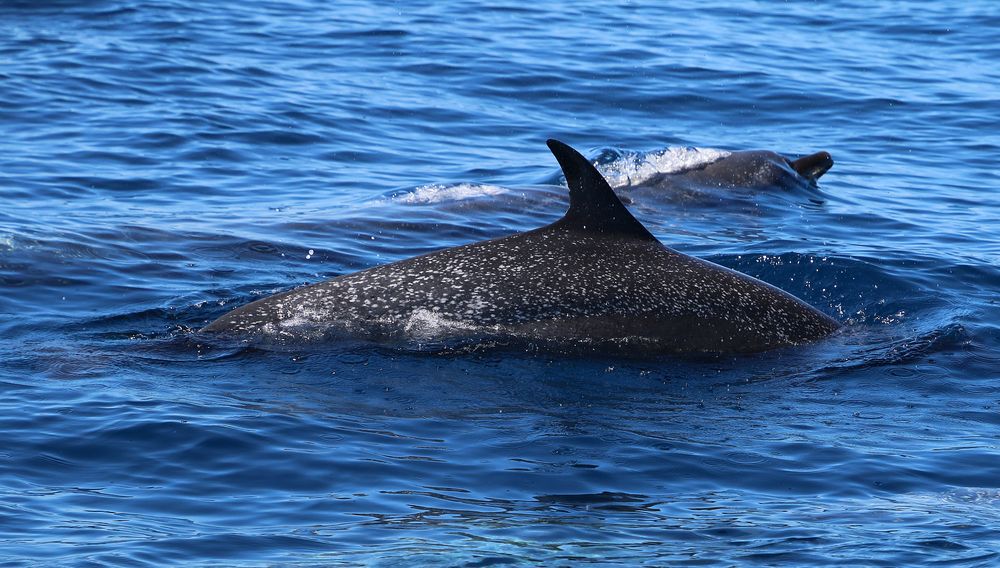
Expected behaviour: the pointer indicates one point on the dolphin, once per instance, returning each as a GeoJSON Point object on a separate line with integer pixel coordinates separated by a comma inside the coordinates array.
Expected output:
{"type": "Point", "coordinates": [594, 277]}
{"type": "Point", "coordinates": [751, 169]}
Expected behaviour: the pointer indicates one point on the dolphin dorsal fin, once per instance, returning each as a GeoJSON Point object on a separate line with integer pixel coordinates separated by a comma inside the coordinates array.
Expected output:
{"type": "Point", "coordinates": [593, 205]}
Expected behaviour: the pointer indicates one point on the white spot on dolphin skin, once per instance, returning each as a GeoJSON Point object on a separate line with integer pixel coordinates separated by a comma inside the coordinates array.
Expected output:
{"type": "Point", "coordinates": [427, 325]}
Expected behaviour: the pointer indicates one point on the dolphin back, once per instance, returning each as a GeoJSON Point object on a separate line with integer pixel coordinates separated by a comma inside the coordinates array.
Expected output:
{"type": "Point", "coordinates": [595, 277]}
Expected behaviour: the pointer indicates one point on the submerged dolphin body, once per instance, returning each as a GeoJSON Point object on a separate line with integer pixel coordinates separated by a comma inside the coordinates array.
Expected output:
{"type": "Point", "coordinates": [595, 276]}
{"type": "Point", "coordinates": [752, 169]}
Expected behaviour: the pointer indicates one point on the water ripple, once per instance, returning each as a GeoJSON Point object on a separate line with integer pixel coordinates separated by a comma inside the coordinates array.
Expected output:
{"type": "Point", "coordinates": [164, 162]}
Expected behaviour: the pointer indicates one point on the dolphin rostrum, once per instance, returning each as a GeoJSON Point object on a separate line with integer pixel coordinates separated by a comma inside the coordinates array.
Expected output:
{"type": "Point", "coordinates": [596, 276]}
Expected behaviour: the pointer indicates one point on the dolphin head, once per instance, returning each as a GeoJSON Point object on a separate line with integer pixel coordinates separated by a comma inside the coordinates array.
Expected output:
{"type": "Point", "coordinates": [813, 166]}
{"type": "Point", "coordinates": [759, 169]}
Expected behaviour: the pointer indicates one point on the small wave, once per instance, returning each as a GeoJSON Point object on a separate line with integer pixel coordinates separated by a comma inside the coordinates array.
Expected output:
{"type": "Point", "coordinates": [633, 168]}
{"type": "Point", "coordinates": [438, 193]}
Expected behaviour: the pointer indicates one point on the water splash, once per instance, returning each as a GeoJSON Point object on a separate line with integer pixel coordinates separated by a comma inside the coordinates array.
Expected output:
{"type": "Point", "coordinates": [633, 168]}
{"type": "Point", "coordinates": [440, 193]}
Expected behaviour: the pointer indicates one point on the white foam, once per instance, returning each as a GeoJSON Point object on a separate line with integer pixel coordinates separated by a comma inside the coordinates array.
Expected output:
{"type": "Point", "coordinates": [634, 168]}
{"type": "Point", "coordinates": [437, 193]}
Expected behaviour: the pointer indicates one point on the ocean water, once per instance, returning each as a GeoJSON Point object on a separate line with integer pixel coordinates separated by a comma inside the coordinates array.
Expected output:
{"type": "Point", "coordinates": [164, 162]}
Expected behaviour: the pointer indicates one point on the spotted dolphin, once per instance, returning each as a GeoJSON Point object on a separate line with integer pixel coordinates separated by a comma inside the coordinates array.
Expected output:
{"type": "Point", "coordinates": [595, 276]}
{"type": "Point", "coordinates": [751, 169]}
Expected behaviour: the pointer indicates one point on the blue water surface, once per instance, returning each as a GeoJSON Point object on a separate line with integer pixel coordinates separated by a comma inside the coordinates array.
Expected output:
{"type": "Point", "coordinates": [163, 162]}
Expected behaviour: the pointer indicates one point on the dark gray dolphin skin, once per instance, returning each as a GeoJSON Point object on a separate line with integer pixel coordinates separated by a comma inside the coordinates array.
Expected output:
{"type": "Point", "coordinates": [594, 276]}
{"type": "Point", "coordinates": [753, 169]}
